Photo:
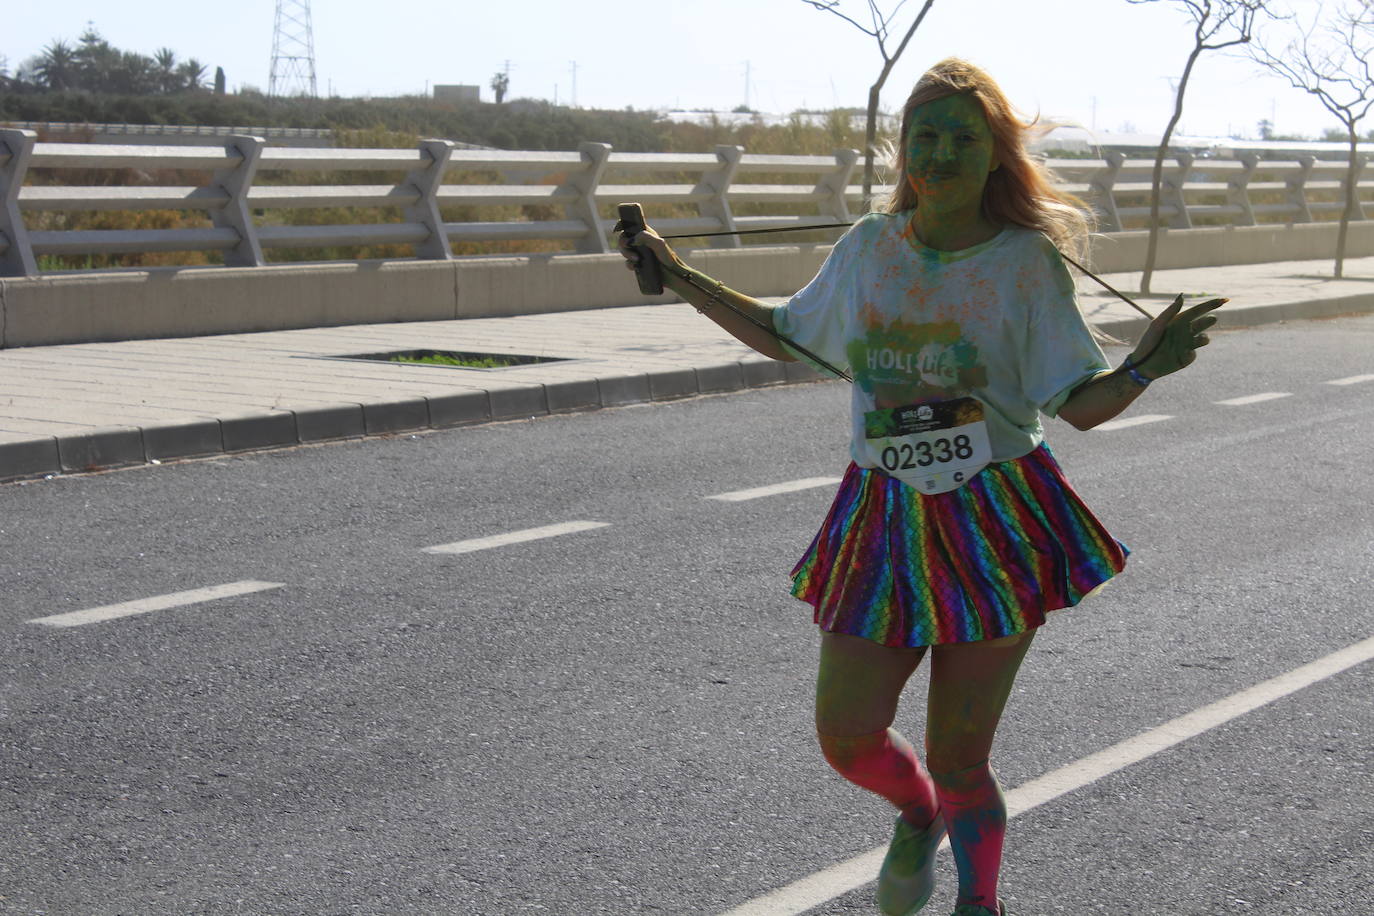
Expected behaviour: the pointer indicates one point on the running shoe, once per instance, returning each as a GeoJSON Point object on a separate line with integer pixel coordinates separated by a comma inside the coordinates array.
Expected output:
{"type": "Point", "coordinates": [973, 909]}
{"type": "Point", "coordinates": [907, 878]}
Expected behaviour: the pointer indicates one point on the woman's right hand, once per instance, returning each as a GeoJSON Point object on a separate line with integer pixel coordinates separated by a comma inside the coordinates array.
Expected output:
{"type": "Point", "coordinates": [649, 239]}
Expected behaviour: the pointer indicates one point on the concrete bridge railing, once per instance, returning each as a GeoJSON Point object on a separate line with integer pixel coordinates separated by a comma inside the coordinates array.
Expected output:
{"type": "Point", "coordinates": [231, 197]}
{"type": "Point", "coordinates": [1266, 211]}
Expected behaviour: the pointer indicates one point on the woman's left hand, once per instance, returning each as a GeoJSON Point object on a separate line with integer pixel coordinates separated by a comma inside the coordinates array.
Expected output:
{"type": "Point", "coordinates": [1171, 340]}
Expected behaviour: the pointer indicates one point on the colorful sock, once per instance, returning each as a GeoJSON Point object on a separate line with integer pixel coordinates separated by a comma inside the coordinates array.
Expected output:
{"type": "Point", "coordinates": [976, 816]}
{"type": "Point", "coordinates": [885, 763]}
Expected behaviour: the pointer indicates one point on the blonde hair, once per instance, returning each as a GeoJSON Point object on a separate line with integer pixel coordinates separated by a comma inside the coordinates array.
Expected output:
{"type": "Point", "coordinates": [1019, 191]}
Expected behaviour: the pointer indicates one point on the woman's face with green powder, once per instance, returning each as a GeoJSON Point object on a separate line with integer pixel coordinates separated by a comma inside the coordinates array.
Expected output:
{"type": "Point", "coordinates": [949, 153]}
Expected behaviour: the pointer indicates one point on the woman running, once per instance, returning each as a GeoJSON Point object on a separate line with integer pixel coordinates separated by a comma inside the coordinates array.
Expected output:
{"type": "Point", "coordinates": [954, 531]}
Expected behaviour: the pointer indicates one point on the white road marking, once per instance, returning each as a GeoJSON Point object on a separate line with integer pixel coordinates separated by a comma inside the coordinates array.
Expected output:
{"type": "Point", "coordinates": [790, 486]}
{"type": "Point", "coordinates": [157, 603]}
{"type": "Point", "coordinates": [1254, 398]}
{"type": "Point", "coordinates": [515, 537]}
{"type": "Point", "coordinates": [1351, 380]}
{"type": "Point", "coordinates": [1125, 422]}
{"type": "Point", "coordinates": [813, 890]}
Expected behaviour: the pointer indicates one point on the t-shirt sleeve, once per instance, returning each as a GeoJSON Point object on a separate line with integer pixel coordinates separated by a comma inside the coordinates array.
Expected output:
{"type": "Point", "coordinates": [815, 316]}
{"type": "Point", "coordinates": [1060, 351]}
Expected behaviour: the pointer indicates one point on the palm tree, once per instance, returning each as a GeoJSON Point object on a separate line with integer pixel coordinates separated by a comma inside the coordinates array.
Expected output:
{"type": "Point", "coordinates": [134, 74]}
{"type": "Point", "coordinates": [192, 74]}
{"type": "Point", "coordinates": [57, 66]}
{"type": "Point", "coordinates": [166, 61]}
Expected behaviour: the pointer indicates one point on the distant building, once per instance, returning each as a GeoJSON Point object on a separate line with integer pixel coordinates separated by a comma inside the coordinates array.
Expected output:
{"type": "Point", "coordinates": [458, 93]}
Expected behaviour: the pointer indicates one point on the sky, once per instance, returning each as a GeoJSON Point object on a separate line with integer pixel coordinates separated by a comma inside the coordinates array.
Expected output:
{"type": "Point", "coordinates": [1106, 64]}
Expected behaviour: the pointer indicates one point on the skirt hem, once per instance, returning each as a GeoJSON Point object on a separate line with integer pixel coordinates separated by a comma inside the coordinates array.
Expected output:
{"type": "Point", "coordinates": [988, 560]}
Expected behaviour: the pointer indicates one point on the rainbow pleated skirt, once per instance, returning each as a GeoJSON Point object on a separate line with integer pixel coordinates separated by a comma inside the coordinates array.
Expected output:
{"type": "Point", "coordinates": [987, 560]}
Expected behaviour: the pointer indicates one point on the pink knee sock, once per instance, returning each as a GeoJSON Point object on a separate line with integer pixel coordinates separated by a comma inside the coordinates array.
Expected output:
{"type": "Point", "coordinates": [976, 816]}
{"type": "Point", "coordinates": [885, 763]}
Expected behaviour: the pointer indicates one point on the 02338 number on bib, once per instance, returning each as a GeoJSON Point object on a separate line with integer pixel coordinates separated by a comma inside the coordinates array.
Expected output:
{"type": "Point", "coordinates": [932, 447]}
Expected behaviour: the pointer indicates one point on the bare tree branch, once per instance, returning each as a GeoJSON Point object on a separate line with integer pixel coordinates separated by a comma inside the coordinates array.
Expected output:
{"type": "Point", "coordinates": [829, 6]}
{"type": "Point", "coordinates": [1330, 59]}
{"type": "Point", "coordinates": [893, 15]}
{"type": "Point", "coordinates": [1211, 18]}
{"type": "Point", "coordinates": [879, 32]}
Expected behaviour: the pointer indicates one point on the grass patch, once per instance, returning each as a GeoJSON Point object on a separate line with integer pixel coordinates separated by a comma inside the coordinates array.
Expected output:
{"type": "Point", "coordinates": [464, 360]}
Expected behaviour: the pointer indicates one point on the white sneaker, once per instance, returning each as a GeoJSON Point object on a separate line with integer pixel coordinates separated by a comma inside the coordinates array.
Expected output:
{"type": "Point", "coordinates": [907, 879]}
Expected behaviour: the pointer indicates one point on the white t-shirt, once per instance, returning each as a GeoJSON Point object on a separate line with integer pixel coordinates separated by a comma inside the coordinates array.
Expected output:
{"type": "Point", "coordinates": [998, 322]}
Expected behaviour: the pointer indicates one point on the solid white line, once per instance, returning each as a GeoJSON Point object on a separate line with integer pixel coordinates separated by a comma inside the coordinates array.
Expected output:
{"type": "Point", "coordinates": [515, 537]}
{"type": "Point", "coordinates": [1351, 380]}
{"type": "Point", "coordinates": [1254, 398]}
{"type": "Point", "coordinates": [790, 486]}
{"type": "Point", "coordinates": [1125, 422]}
{"type": "Point", "coordinates": [157, 603]}
{"type": "Point", "coordinates": [815, 889]}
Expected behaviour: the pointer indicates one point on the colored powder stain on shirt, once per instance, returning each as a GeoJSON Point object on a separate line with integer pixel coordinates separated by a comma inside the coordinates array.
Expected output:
{"type": "Point", "coordinates": [978, 302]}
{"type": "Point", "coordinates": [998, 321]}
{"type": "Point", "coordinates": [930, 256]}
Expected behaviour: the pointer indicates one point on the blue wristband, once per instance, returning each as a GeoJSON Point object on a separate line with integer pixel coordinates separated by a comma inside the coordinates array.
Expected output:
{"type": "Point", "coordinates": [1135, 375]}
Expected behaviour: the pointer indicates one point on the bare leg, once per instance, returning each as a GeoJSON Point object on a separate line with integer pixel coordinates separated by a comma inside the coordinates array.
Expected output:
{"type": "Point", "coordinates": [969, 686]}
{"type": "Point", "coordinates": [857, 691]}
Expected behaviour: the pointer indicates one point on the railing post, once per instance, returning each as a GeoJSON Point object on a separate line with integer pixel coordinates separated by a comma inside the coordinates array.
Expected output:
{"type": "Point", "coordinates": [584, 208]}
{"type": "Point", "coordinates": [236, 214]}
{"type": "Point", "coordinates": [1361, 165]}
{"type": "Point", "coordinates": [717, 184]}
{"type": "Point", "coordinates": [427, 180]}
{"type": "Point", "coordinates": [1172, 193]}
{"type": "Point", "coordinates": [837, 183]}
{"type": "Point", "coordinates": [1102, 190]}
{"type": "Point", "coordinates": [1237, 189]}
{"type": "Point", "coordinates": [1297, 191]}
{"type": "Point", "coordinates": [17, 259]}
{"type": "Point", "coordinates": [1364, 167]}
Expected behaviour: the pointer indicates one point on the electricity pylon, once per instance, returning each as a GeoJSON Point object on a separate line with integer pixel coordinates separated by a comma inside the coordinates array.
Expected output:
{"type": "Point", "coordinates": [293, 51]}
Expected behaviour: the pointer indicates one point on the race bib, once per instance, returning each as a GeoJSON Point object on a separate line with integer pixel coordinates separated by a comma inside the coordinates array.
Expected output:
{"type": "Point", "coordinates": [932, 447]}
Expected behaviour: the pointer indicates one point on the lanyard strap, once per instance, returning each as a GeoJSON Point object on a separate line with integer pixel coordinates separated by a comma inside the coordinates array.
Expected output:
{"type": "Point", "coordinates": [716, 297]}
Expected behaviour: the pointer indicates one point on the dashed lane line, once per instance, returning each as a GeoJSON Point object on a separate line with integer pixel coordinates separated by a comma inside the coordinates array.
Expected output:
{"type": "Point", "coordinates": [1126, 422]}
{"type": "Point", "coordinates": [1254, 398]}
{"type": "Point", "coordinates": [1351, 380]}
{"type": "Point", "coordinates": [515, 537]}
{"type": "Point", "coordinates": [790, 486]}
{"type": "Point", "coordinates": [156, 603]}
{"type": "Point", "coordinates": [813, 890]}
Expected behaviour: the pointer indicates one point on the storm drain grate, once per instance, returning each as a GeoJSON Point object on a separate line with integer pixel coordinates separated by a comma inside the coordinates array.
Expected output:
{"type": "Point", "coordinates": [454, 359]}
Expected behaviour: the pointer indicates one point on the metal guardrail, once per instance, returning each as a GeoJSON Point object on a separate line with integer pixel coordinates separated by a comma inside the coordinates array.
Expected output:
{"type": "Point", "coordinates": [574, 183]}
{"type": "Point", "coordinates": [83, 128]}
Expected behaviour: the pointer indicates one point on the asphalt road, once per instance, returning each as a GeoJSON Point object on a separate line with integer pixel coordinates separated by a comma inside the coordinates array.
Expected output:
{"type": "Point", "coordinates": [617, 720]}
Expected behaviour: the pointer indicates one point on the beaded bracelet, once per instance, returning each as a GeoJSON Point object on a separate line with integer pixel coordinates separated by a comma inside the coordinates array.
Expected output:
{"type": "Point", "coordinates": [711, 299]}
{"type": "Point", "coordinates": [1131, 368]}
{"type": "Point", "coordinates": [715, 297]}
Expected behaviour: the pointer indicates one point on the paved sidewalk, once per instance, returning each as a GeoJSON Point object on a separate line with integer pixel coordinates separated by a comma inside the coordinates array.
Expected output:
{"type": "Point", "coordinates": [84, 407]}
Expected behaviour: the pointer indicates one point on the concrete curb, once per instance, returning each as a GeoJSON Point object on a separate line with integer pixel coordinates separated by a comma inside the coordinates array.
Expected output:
{"type": "Point", "coordinates": [24, 456]}
{"type": "Point", "coordinates": [121, 447]}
